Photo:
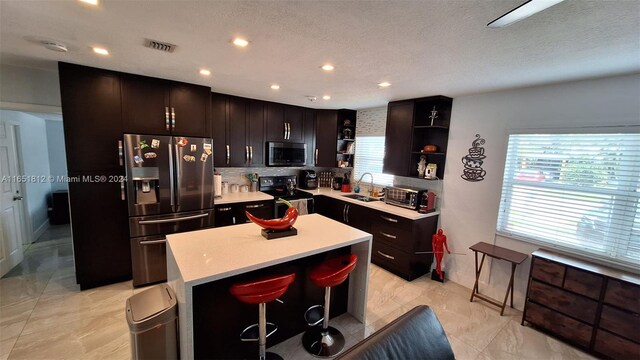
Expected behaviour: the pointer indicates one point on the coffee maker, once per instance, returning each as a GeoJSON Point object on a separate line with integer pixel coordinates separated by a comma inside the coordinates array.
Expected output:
{"type": "Point", "coordinates": [308, 179]}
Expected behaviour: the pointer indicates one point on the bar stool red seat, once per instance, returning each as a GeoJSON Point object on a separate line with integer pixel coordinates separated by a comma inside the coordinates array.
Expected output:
{"type": "Point", "coordinates": [327, 341]}
{"type": "Point", "coordinates": [262, 291]}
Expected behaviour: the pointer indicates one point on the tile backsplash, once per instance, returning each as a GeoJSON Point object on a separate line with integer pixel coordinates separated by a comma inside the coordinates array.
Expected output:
{"type": "Point", "coordinates": [239, 175]}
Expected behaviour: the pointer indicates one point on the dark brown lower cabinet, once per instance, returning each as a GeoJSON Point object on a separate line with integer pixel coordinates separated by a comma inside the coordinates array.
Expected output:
{"type": "Point", "coordinates": [100, 230]}
{"type": "Point", "coordinates": [591, 306]}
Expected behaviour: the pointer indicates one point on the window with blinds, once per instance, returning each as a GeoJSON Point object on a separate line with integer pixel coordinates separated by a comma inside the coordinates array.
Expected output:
{"type": "Point", "coordinates": [369, 156]}
{"type": "Point", "coordinates": [577, 192]}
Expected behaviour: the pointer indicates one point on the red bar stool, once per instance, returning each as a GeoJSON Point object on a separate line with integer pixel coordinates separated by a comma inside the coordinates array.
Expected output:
{"type": "Point", "coordinates": [327, 341]}
{"type": "Point", "coordinates": [261, 292]}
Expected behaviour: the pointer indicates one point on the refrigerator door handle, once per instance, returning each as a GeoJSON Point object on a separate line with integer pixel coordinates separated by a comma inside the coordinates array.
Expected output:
{"type": "Point", "coordinates": [120, 153]}
{"type": "Point", "coordinates": [178, 176]}
{"type": "Point", "coordinates": [123, 196]}
{"type": "Point", "coordinates": [173, 118]}
{"type": "Point", "coordinates": [171, 185]}
{"type": "Point", "coordinates": [164, 221]}
{"type": "Point", "coordinates": [166, 117]}
{"type": "Point", "coordinates": [153, 242]}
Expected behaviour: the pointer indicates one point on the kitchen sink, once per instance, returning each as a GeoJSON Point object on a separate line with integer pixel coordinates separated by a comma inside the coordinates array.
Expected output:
{"type": "Point", "coordinates": [361, 197]}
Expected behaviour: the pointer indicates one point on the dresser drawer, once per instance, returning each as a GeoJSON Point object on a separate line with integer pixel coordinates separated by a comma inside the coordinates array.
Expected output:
{"type": "Point", "coordinates": [623, 294]}
{"type": "Point", "coordinates": [582, 282]}
{"type": "Point", "coordinates": [390, 258]}
{"type": "Point", "coordinates": [559, 324]}
{"type": "Point", "coordinates": [547, 271]}
{"type": "Point", "coordinates": [393, 236]}
{"type": "Point", "coordinates": [620, 322]}
{"type": "Point", "coordinates": [615, 347]}
{"type": "Point", "coordinates": [568, 303]}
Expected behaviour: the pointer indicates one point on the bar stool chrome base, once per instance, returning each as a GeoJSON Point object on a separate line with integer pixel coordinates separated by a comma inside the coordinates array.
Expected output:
{"type": "Point", "coordinates": [314, 315]}
{"type": "Point", "coordinates": [323, 343]}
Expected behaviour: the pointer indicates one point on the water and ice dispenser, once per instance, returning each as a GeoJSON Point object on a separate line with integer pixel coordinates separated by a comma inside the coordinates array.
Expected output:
{"type": "Point", "coordinates": [146, 182]}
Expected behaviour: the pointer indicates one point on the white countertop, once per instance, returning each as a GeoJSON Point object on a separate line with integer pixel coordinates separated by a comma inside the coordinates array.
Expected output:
{"type": "Point", "coordinates": [211, 254]}
{"type": "Point", "coordinates": [242, 197]}
{"type": "Point", "coordinates": [377, 205]}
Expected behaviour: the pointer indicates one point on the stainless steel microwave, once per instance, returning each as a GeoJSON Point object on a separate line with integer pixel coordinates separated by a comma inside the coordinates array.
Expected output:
{"type": "Point", "coordinates": [286, 154]}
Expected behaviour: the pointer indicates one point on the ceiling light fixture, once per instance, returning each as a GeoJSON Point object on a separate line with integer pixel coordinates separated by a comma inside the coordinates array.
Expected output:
{"type": "Point", "coordinates": [521, 12]}
{"type": "Point", "coordinates": [275, 86]}
{"type": "Point", "coordinates": [55, 46]}
{"type": "Point", "coordinates": [326, 97]}
{"type": "Point", "coordinates": [384, 84]}
{"type": "Point", "coordinates": [240, 42]}
{"type": "Point", "coordinates": [100, 51]}
{"type": "Point", "coordinates": [327, 67]}
{"type": "Point", "coordinates": [91, 2]}
{"type": "Point", "coordinates": [205, 72]}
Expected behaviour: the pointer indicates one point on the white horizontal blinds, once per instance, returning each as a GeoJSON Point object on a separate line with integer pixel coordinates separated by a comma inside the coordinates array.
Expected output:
{"type": "Point", "coordinates": [369, 156]}
{"type": "Point", "coordinates": [577, 191]}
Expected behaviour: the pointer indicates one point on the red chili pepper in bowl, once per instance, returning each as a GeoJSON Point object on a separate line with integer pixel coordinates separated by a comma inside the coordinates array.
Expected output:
{"type": "Point", "coordinates": [287, 221]}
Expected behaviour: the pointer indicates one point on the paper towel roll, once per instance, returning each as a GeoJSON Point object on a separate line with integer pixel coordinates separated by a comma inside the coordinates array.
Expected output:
{"type": "Point", "coordinates": [217, 185]}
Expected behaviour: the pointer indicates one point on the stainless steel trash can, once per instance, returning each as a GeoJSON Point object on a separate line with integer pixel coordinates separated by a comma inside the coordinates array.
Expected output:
{"type": "Point", "coordinates": [152, 316]}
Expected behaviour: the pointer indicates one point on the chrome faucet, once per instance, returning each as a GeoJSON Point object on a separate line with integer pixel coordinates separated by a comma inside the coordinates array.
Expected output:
{"type": "Point", "coordinates": [370, 186]}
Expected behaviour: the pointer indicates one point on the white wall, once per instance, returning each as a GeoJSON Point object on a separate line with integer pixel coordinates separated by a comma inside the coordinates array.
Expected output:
{"type": "Point", "coordinates": [35, 161]}
{"type": "Point", "coordinates": [57, 155]}
{"type": "Point", "coordinates": [25, 85]}
{"type": "Point", "coordinates": [469, 210]}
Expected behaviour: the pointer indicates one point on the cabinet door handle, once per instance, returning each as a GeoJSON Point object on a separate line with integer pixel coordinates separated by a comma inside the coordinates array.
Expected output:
{"type": "Point", "coordinates": [348, 207]}
{"type": "Point", "coordinates": [224, 209]}
{"type": "Point", "coordinates": [344, 213]}
{"type": "Point", "coordinates": [288, 131]}
{"type": "Point", "coordinates": [250, 155]}
{"type": "Point", "coordinates": [388, 235]}
{"type": "Point", "coordinates": [123, 195]}
{"type": "Point", "coordinates": [386, 255]}
{"type": "Point", "coordinates": [254, 206]}
{"type": "Point", "coordinates": [389, 219]}
{"type": "Point", "coordinates": [246, 154]}
{"type": "Point", "coordinates": [285, 131]}
{"type": "Point", "coordinates": [166, 117]}
{"type": "Point", "coordinates": [228, 154]}
{"type": "Point", "coordinates": [316, 160]}
{"type": "Point", "coordinates": [120, 153]}
{"type": "Point", "coordinates": [173, 118]}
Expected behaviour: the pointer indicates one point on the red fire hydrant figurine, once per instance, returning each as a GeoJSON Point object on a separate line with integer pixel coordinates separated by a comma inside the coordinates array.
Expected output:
{"type": "Point", "coordinates": [439, 244]}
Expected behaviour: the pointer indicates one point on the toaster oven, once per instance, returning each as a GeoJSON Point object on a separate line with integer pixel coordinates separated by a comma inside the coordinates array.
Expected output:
{"type": "Point", "coordinates": [406, 197]}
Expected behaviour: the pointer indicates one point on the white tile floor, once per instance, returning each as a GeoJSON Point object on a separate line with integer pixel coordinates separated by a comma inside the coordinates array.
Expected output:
{"type": "Point", "coordinates": [43, 314]}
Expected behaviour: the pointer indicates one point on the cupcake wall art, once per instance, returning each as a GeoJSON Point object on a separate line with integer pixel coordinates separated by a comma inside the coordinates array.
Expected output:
{"type": "Point", "coordinates": [473, 161]}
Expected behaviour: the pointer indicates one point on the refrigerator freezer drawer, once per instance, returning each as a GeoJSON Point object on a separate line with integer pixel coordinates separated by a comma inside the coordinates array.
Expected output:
{"type": "Point", "coordinates": [149, 260]}
{"type": "Point", "coordinates": [170, 223]}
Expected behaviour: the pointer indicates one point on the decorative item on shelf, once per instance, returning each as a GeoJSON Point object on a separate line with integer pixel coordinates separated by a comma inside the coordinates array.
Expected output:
{"type": "Point", "coordinates": [422, 166]}
{"type": "Point", "coordinates": [277, 228]}
{"type": "Point", "coordinates": [351, 148]}
{"type": "Point", "coordinates": [343, 163]}
{"type": "Point", "coordinates": [347, 122]}
{"type": "Point", "coordinates": [429, 148]}
{"type": "Point", "coordinates": [433, 116]}
{"type": "Point", "coordinates": [431, 170]}
{"type": "Point", "coordinates": [347, 133]}
{"type": "Point", "coordinates": [473, 161]}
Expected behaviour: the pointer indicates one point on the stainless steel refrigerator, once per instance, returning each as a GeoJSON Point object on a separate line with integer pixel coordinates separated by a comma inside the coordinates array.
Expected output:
{"type": "Point", "coordinates": [169, 190]}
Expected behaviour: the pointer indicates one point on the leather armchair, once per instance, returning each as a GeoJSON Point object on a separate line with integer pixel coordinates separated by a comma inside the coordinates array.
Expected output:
{"type": "Point", "coordinates": [415, 335]}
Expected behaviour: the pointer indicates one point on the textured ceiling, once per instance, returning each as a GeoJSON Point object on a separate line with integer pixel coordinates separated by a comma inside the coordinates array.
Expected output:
{"type": "Point", "coordinates": [422, 47]}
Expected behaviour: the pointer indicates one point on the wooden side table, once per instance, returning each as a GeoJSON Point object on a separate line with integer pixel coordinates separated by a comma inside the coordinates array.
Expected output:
{"type": "Point", "coordinates": [501, 253]}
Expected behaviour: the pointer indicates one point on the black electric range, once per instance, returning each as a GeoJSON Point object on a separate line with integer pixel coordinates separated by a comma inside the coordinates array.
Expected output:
{"type": "Point", "coordinates": [284, 187]}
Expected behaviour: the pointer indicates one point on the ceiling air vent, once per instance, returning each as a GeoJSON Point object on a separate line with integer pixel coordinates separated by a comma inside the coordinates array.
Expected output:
{"type": "Point", "coordinates": [159, 45]}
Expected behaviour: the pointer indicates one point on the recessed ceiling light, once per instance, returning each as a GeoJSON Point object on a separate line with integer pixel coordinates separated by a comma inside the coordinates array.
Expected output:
{"type": "Point", "coordinates": [240, 42]}
{"type": "Point", "coordinates": [205, 72]}
{"type": "Point", "coordinates": [92, 2]}
{"type": "Point", "coordinates": [275, 86]}
{"type": "Point", "coordinates": [384, 84]}
{"type": "Point", "coordinates": [101, 51]}
{"type": "Point", "coordinates": [328, 67]}
{"type": "Point", "coordinates": [523, 11]}
{"type": "Point", "coordinates": [326, 97]}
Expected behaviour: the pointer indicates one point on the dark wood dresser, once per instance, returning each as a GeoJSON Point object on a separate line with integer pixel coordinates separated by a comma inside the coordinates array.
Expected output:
{"type": "Point", "coordinates": [590, 306]}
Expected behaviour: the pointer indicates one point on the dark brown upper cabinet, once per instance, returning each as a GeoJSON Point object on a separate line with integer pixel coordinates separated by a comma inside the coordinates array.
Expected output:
{"type": "Point", "coordinates": [156, 106]}
{"type": "Point", "coordinates": [285, 123]}
{"type": "Point", "coordinates": [310, 135]}
{"type": "Point", "coordinates": [238, 131]}
{"type": "Point", "coordinates": [92, 118]}
{"type": "Point", "coordinates": [411, 126]}
{"type": "Point", "coordinates": [326, 138]}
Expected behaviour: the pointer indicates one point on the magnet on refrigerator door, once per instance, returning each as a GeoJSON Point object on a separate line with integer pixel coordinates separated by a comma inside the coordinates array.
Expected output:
{"type": "Point", "coordinates": [137, 159]}
{"type": "Point", "coordinates": [194, 147]}
{"type": "Point", "coordinates": [143, 144]}
{"type": "Point", "coordinates": [150, 155]}
{"type": "Point", "coordinates": [155, 143]}
{"type": "Point", "coordinates": [204, 157]}
{"type": "Point", "coordinates": [182, 141]}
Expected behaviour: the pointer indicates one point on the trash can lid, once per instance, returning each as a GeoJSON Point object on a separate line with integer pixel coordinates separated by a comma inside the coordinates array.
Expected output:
{"type": "Point", "coordinates": [149, 303]}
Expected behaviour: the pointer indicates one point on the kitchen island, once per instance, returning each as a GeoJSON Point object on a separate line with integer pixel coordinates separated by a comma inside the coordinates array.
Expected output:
{"type": "Point", "coordinates": [202, 264]}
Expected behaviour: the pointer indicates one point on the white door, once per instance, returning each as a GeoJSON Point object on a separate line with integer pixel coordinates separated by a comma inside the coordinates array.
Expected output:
{"type": "Point", "coordinates": [10, 201]}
